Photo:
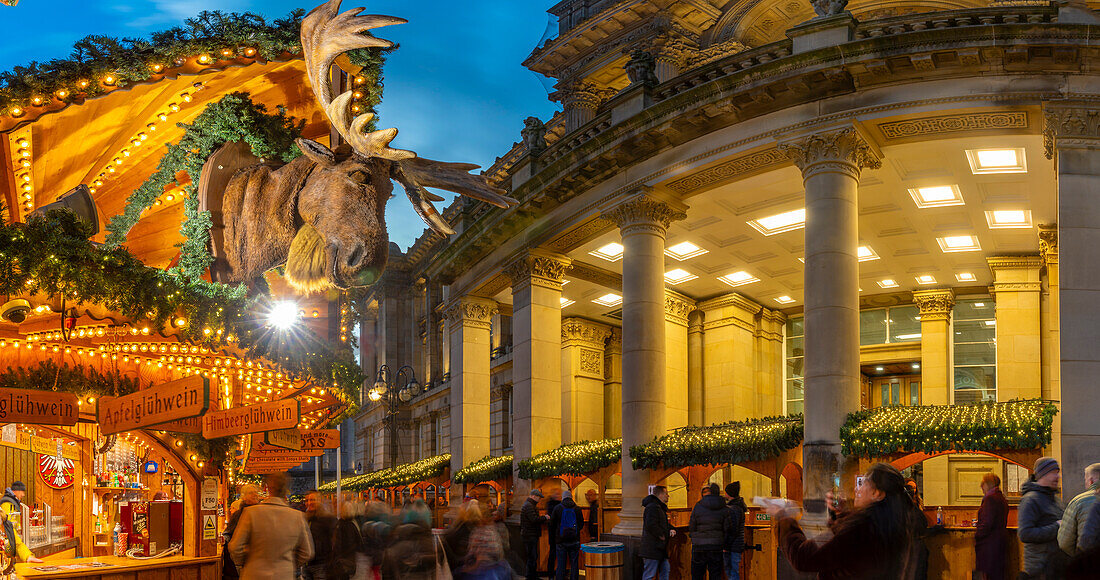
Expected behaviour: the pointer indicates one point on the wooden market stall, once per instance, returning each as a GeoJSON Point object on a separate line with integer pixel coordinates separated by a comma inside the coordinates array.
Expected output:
{"type": "Point", "coordinates": [428, 479]}
{"type": "Point", "coordinates": [488, 479]}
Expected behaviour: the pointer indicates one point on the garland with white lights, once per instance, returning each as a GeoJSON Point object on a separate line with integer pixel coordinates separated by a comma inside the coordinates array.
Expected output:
{"type": "Point", "coordinates": [485, 469]}
{"type": "Point", "coordinates": [578, 459]}
{"type": "Point", "coordinates": [1011, 425]}
{"type": "Point", "coordinates": [725, 443]}
{"type": "Point", "coordinates": [405, 474]}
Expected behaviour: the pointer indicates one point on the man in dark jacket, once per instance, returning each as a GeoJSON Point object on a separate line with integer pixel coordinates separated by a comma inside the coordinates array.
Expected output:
{"type": "Point", "coordinates": [655, 534]}
{"type": "Point", "coordinates": [989, 536]}
{"type": "Point", "coordinates": [1038, 518]}
{"type": "Point", "coordinates": [322, 526]}
{"type": "Point", "coordinates": [735, 535]}
{"type": "Point", "coordinates": [708, 527]}
{"type": "Point", "coordinates": [530, 530]}
{"type": "Point", "coordinates": [565, 525]}
{"type": "Point", "coordinates": [593, 498]}
{"type": "Point", "coordinates": [552, 556]}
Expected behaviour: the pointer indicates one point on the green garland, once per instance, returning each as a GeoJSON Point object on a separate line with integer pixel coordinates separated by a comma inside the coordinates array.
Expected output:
{"type": "Point", "coordinates": [133, 60]}
{"type": "Point", "coordinates": [581, 458]}
{"type": "Point", "coordinates": [79, 380]}
{"type": "Point", "coordinates": [405, 474]}
{"type": "Point", "coordinates": [733, 442]}
{"type": "Point", "coordinates": [1012, 425]}
{"type": "Point", "coordinates": [233, 118]}
{"type": "Point", "coordinates": [52, 255]}
{"type": "Point", "coordinates": [485, 469]}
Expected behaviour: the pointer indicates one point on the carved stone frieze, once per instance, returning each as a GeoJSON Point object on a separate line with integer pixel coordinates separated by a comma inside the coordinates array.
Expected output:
{"type": "Point", "coordinates": [579, 331]}
{"type": "Point", "coordinates": [538, 267]}
{"type": "Point", "coordinates": [591, 361]}
{"type": "Point", "coordinates": [1048, 244]}
{"type": "Point", "coordinates": [965, 122]}
{"type": "Point", "coordinates": [473, 312]}
{"type": "Point", "coordinates": [644, 211]}
{"type": "Point", "coordinates": [842, 150]}
{"type": "Point", "coordinates": [1069, 125]}
{"type": "Point", "coordinates": [934, 304]}
{"type": "Point", "coordinates": [678, 307]}
{"type": "Point", "coordinates": [729, 170]}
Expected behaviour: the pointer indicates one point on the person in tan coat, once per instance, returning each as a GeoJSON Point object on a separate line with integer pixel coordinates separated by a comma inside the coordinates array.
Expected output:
{"type": "Point", "coordinates": [272, 539]}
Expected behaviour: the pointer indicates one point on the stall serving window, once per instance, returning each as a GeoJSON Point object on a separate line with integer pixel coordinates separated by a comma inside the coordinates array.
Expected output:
{"type": "Point", "coordinates": [975, 346]}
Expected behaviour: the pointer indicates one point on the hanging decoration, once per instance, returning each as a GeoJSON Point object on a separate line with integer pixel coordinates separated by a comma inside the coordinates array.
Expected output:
{"type": "Point", "coordinates": [57, 472]}
{"type": "Point", "coordinates": [405, 474]}
{"type": "Point", "coordinates": [485, 469]}
{"type": "Point", "coordinates": [578, 459]}
{"type": "Point", "coordinates": [725, 443]}
{"type": "Point", "coordinates": [1010, 425]}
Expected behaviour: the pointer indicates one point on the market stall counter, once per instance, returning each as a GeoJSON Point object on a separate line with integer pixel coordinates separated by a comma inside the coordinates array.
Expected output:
{"type": "Point", "coordinates": [118, 568]}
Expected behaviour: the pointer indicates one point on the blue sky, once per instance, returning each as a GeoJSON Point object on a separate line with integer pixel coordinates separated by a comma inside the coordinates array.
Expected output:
{"type": "Point", "coordinates": [456, 89]}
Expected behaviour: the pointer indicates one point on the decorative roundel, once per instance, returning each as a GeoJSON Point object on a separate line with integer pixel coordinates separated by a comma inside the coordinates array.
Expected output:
{"type": "Point", "coordinates": [57, 472]}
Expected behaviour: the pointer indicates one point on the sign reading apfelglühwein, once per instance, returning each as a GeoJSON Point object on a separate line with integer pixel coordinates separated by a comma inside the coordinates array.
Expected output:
{"type": "Point", "coordinates": [174, 400]}
{"type": "Point", "coordinates": [267, 416]}
{"type": "Point", "coordinates": [37, 407]}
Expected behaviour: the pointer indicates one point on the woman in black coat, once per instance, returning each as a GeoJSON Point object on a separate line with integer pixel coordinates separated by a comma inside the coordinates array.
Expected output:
{"type": "Point", "coordinates": [989, 537]}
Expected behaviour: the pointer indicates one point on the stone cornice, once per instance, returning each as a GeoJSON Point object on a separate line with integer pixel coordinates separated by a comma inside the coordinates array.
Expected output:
{"type": "Point", "coordinates": [831, 150]}
{"type": "Point", "coordinates": [731, 299]}
{"type": "Point", "coordinates": [540, 268]}
{"type": "Point", "coordinates": [1014, 262]}
{"type": "Point", "coordinates": [934, 304]}
{"type": "Point", "coordinates": [677, 307]}
{"type": "Point", "coordinates": [1070, 124]}
{"type": "Point", "coordinates": [471, 311]}
{"type": "Point", "coordinates": [644, 210]}
{"type": "Point", "coordinates": [1048, 244]}
{"type": "Point", "coordinates": [583, 332]}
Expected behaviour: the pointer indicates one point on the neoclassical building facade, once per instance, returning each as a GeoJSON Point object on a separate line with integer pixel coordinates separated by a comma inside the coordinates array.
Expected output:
{"type": "Point", "coordinates": [751, 208]}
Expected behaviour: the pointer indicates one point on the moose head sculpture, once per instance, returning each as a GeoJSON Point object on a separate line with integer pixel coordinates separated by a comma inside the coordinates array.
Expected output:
{"type": "Point", "coordinates": [323, 214]}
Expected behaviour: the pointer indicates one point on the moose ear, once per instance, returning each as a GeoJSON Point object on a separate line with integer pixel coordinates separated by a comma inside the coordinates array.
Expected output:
{"type": "Point", "coordinates": [316, 152]}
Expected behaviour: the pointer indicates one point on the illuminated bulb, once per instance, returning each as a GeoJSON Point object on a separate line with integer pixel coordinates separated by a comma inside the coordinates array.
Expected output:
{"type": "Point", "coordinates": [26, 187]}
{"type": "Point", "coordinates": [118, 161]}
{"type": "Point", "coordinates": [360, 80]}
{"type": "Point", "coordinates": [249, 51]}
{"type": "Point", "coordinates": [109, 80]}
{"type": "Point", "coordinates": [62, 93]}
{"type": "Point", "coordinates": [125, 152]}
{"type": "Point", "coordinates": [25, 163]}
{"type": "Point", "coordinates": [82, 84]}
{"type": "Point", "coordinates": [204, 58]}
{"type": "Point", "coordinates": [24, 153]}
{"type": "Point", "coordinates": [16, 111]}
{"type": "Point", "coordinates": [112, 169]}
{"type": "Point", "coordinates": [37, 100]}
{"type": "Point", "coordinates": [142, 136]}
{"type": "Point", "coordinates": [227, 52]}
{"type": "Point", "coordinates": [179, 443]}
{"type": "Point", "coordinates": [163, 116]}
{"type": "Point", "coordinates": [181, 322]}
{"type": "Point", "coordinates": [21, 142]}
{"type": "Point", "coordinates": [186, 97]}
{"type": "Point", "coordinates": [169, 197]}
{"type": "Point", "coordinates": [92, 189]}
{"type": "Point", "coordinates": [151, 126]}
{"type": "Point", "coordinates": [174, 106]}
{"type": "Point", "coordinates": [355, 108]}
{"type": "Point", "coordinates": [158, 67]}
{"type": "Point", "coordinates": [357, 95]}
{"type": "Point", "coordinates": [98, 183]}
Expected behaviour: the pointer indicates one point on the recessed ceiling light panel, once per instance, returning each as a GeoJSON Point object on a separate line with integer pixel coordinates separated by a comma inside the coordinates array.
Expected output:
{"type": "Point", "coordinates": [612, 252]}
{"type": "Point", "coordinates": [887, 283]}
{"type": "Point", "coordinates": [926, 279]}
{"type": "Point", "coordinates": [784, 299]}
{"type": "Point", "coordinates": [684, 251]}
{"type": "Point", "coordinates": [1008, 218]}
{"type": "Point", "coordinates": [986, 161]}
{"type": "Point", "coordinates": [565, 302]}
{"type": "Point", "coordinates": [959, 244]}
{"type": "Point", "coordinates": [779, 223]}
{"type": "Point", "coordinates": [738, 279]}
{"type": "Point", "coordinates": [609, 299]}
{"type": "Point", "coordinates": [937, 196]}
{"type": "Point", "coordinates": [678, 276]}
{"type": "Point", "coordinates": [966, 277]}
{"type": "Point", "coordinates": [866, 254]}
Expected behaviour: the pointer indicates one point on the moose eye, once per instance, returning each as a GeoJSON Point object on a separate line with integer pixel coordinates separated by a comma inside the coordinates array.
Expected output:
{"type": "Point", "coordinates": [358, 176]}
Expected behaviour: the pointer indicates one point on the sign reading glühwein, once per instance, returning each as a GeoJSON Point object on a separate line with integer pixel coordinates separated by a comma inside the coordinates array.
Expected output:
{"type": "Point", "coordinates": [190, 425]}
{"type": "Point", "coordinates": [174, 400]}
{"type": "Point", "coordinates": [284, 438]}
{"type": "Point", "coordinates": [267, 416]}
{"type": "Point", "coordinates": [37, 407]}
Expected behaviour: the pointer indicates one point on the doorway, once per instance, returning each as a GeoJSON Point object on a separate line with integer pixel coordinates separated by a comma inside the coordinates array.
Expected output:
{"type": "Point", "coordinates": [894, 385]}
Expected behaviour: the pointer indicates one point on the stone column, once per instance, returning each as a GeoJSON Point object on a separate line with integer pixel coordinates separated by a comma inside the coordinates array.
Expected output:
{"type": "Point", "coordinates": [677, 398]}
{"type": "Point", "coordinates": [1019, 356]}
{"type": "Point", "coordinates": [582, 386]}
{"type": "Point", "coordinates": [831, 161]}
{"type": "Point", "coordinates": [434, 303]}
{"type": "Point", "coordinates": [769, 390]}
{"type": "Point", "coordinates": [643, 220]}
{"type": "Point", "coordinates": [579, 100]}
{"type": "Point", "coordinates": [536, 357]}
{"type": "Point", "coordinates": [937, 382]}
{"type": "Point", "coordinates": [1049, 328]}
{"type": "Point", "coordinates": [368, 347]}
{"type": "Point", "coordinates": [468, 320]}
{"type": "Point", "coordinates": [695, 367]}
{"type": "Point", "coordinates": [1073, 139]}
{"type": "Point", "coordinates": [729, 373]}
{"type": "Point", "coordinates": [613, 385]}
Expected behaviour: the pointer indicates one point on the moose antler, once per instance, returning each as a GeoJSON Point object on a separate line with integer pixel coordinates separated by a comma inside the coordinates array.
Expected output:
{"type": "Point", "coordinates": [417, 173]}
{"type": "Point", "coordinates": [327, 34]}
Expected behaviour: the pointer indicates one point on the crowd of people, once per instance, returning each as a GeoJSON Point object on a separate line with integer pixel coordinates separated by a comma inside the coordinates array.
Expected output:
{"type": "Point", "coordinates": [880, 535]}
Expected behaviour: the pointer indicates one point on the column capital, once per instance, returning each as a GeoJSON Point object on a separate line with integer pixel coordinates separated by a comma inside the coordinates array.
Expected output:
{"type": "Point", "coordinates": [645, 211]}
{"type": "Point", "coordinates": [678, 307]}
{"type": "Point", "coordinates": [934, 304]}
{"type": "Point", "coordinates": [582, 332]}
{"type": "Point", "coordinates": [843, 150]}
{"type": "Point", "coordinates": [696, 319]}
{"type": "Point", "coordinates": [1015, 273]}
{"type": "Point", "coordinates": [472, 311]}
{"type": "Point", "coordinates": [1070, 124]}
{"type": "Point", "coordinates": [1048, 244]}
{"type": "Point", "coordinates": [539, 267]}
{"type": "Point", "coordinates": [615, 341]}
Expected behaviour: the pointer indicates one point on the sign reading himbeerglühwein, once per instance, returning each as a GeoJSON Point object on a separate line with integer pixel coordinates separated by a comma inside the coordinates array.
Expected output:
{"type": "Point", "coordinates": [284, 438]}
{"type": "Point", "coordinates": [267, 416]}
{"type": "Point", "coordinates": [37, 407]}
{"type": "Point", "coordinates": [178, 399]}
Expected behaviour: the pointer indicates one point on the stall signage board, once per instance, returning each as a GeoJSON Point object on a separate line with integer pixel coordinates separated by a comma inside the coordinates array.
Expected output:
{"type": "Point", "coordinates": [20, 440]}
{"type": "Point", "coordinates": [209, 528]}
{"type": "Point", "coordinates": [288, 458]}
{"type": "Point", "coordinates": [38, 407]}
{"type": "Point", "coordinates": [257, 448]}
{"type": "Point", "coordinates": [179, 399]}
{"type": "Point", "coordinates": [43, 446]}
{"type": "Point", "coordinates": [267, 416]}
{"type": "Point", "coordinates": [190, 425]}
{"type": "Point", "coordinates": [284, 438]}
{"type": "Point", "coordinates": [210, 493]}
{"type": "Point", "coordinates": [71, 452]}
{"type": "Point", "coordinates": [316, 439]}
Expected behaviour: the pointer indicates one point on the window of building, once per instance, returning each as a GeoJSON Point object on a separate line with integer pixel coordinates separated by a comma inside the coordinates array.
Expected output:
{"type": "Point", "coordinates": [794, 352]}
{"type": "Point", "coordinates": [889, 325]}
{"type": "Point", "coordinates": [975, 344]}
{"type": "Point", "coordinates": [441, 431]}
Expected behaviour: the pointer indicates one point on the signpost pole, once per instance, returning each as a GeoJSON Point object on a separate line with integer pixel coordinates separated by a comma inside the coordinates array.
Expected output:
{"type": "Point", "coordinates": [339, 497]}
{"type": "Point", "coordinates": [316, 473]}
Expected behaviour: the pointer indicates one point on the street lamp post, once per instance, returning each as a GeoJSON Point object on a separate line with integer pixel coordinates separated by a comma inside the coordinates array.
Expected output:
{"type": "Point", "coordinates": [392, 390]}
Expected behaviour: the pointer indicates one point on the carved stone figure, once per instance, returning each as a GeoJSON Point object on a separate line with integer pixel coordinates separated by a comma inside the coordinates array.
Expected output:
{"type": "Point", "coordinates": [323, 214]}
{"type": "Point", "coordinates": [534, 135]}
{"type": "Point", "coordinates": [829, 7]}
{"type": "Point", "coordinates": [641, 68]}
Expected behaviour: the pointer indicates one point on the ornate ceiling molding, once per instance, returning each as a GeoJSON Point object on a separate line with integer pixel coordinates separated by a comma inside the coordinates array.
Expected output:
{"type": "Point", "coordinates": [731, 170]}
{"type": "Point", "coordinates": [960, 123]}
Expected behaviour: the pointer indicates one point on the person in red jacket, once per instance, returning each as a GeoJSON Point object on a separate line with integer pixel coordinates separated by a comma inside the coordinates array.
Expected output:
{"type": "Point", "coordinates": [989, 538]}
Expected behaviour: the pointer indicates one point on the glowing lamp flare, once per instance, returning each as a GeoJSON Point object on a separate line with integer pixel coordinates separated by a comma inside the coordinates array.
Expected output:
{"type": "Point", "coordinates": [283, 315]}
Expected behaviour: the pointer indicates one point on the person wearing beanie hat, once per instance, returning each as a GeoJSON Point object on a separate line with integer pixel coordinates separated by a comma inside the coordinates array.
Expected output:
{"type": "Point", "coordinates": [565, 526]}
{"type": "Point", "coordinates": [1039, 516]}
{"type": "Point", "coordinates": [735, 537]}
{"type": "Point", "coordinates": [12, 500]}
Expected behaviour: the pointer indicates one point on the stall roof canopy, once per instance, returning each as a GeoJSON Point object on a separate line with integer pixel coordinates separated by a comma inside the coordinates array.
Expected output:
{"type": "Point", "coordinates": [581, 458]}
{"type": "Point", "coordinates": [990, 427]}
{"type": "Point", "coordinates": [733, 442]}
{"type": "Point", "coordinates": [405, 474]}
{"type": "Point", "coordinates": [485, 469]}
